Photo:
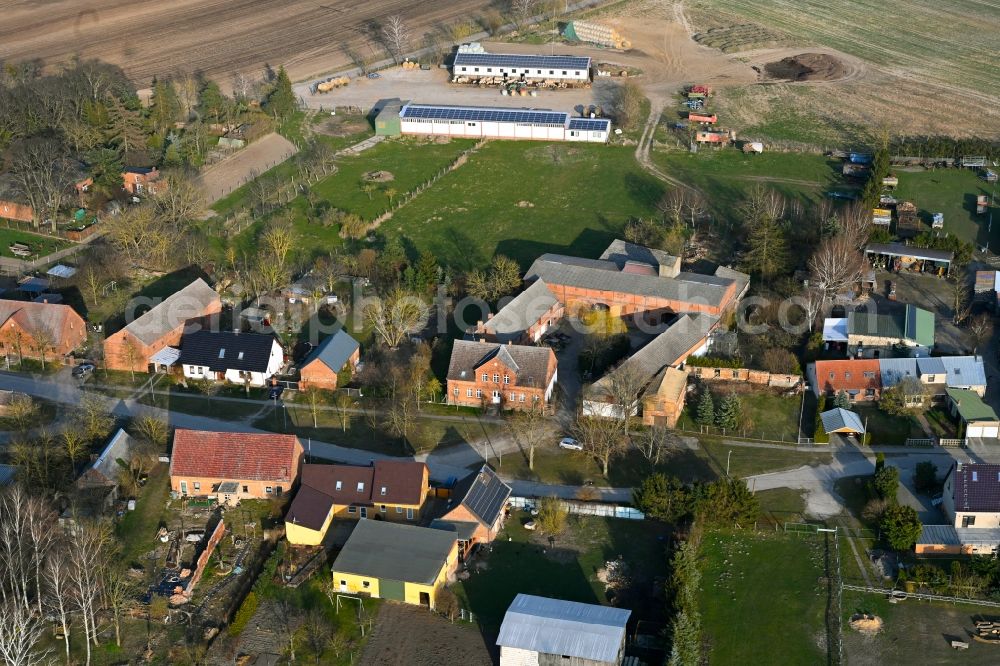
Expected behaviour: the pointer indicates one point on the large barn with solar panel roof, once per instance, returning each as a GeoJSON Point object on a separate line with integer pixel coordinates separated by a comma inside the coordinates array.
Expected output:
{"type": "Point", "coordinates": [486, 122]}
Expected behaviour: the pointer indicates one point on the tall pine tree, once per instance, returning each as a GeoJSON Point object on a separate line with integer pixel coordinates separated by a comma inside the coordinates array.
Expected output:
{"type": "Point", "coordinates": [706, 409]}
{"type": "Point", "coordinates": [730, 412]}
{"type": "Point", "coordinates": [281, 101]}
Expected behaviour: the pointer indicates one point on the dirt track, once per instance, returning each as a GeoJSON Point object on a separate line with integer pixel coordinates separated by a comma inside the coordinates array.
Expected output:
{"type": "Point", "coordinates": [223, 177]}
{"type": "Point", "coordinates": [216, 37]}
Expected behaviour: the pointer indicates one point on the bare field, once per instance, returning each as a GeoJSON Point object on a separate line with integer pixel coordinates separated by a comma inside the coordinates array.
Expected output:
{"type": "Point", "coordinates": [915, 72]}
{"type": "Point", "coordinates": [216, 37]}
{"type": "Point", "coordinates": [407, 635]}
{"type": "Point", "coordinates": [245, 164]}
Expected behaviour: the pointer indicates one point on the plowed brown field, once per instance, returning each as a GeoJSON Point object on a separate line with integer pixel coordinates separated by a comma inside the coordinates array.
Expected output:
{"type": "Point", "coordinates": [150, 38]}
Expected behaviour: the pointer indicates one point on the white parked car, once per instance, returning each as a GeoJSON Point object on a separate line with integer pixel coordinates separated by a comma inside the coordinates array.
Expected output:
{"type": "Point", "coordinates": [570, 443]}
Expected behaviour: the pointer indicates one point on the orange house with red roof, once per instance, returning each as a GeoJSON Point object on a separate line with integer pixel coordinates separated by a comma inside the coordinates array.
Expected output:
{"type": "Point", "coordinates": [234, 465]}
{"type": "Point", "coordinates": [860, 378]}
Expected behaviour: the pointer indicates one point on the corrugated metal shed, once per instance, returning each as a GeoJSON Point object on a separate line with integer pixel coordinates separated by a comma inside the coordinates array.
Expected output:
{"type": "Point", "coordinates": [554, 626]}
{"type": "Point", "coordinates": [938, 535]}
{"type": "Point", "coordinates": [842, 420]}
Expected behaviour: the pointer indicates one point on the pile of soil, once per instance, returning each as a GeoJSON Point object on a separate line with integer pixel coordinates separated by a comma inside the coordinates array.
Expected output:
{"type": "Point", "coordinates": [807, 67]}
{"type": "Point", "coordinates": [866, 624]}
{"type": "Point", "coordinates": [379, 176]}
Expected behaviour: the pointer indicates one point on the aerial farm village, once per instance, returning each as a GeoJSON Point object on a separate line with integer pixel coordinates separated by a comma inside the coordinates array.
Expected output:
{"type": "Point", "coordinates": [615, 332]}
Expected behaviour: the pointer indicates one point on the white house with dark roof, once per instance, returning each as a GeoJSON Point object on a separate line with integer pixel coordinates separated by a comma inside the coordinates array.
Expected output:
{"type": "Point", "coordinates": [971, 495]}
{"type": "Point", "coordinates": [239, 358]}
{"type": "Point", "coordinates": [538, 631]}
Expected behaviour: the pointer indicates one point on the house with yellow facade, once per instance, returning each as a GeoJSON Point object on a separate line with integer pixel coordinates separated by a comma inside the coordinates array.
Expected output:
{"type": "Point", "coordinates": [395, 561]}
{"type": "Point", "coordinates": [390, 490]}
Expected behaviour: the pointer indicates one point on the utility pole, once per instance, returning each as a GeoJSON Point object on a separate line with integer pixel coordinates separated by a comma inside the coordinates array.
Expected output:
{"type": "Point", "coordinates": [728, 458]}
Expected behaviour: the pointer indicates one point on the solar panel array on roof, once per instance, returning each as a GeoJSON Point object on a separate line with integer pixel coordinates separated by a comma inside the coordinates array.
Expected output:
{"type": "Point", "coordinates": [512, 60]}
{"type": "Point", "coordinates": [589, 124]}
{"type": "Point", "coordinates": [484, 114]}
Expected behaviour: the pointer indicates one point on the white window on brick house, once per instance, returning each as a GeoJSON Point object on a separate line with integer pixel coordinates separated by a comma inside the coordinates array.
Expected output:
{"type": "Point", "coordinates": [352, 509]}
{"type": "Point", "coordinates": [455, 392]}
{"type": "Point", "coordinates": [468, 393]}
{"type": "Point", "coordinates": [520, 398]}
{"type": "Point", "coordinates": [486, 377]}
{"type": "Point", "coordinates": [197, 486]}
{"type": "Point", "coordinates": [268, 489]}
{"type": "Point", "coordinates": [506, 379]}
{"type": "Point", "coordinates": [496, 378]}
{"type": "Point", "coordinates": [479, 393]}
{"type": "Point", "coordinates": [409, 514]}
{"type": "Point", "coordinates": [512, 397]}
{"type": "Point", "coordinates": [399, 509]}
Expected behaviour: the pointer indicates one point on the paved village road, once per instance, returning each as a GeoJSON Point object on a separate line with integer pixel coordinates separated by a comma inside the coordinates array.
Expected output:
{"type": "Point", "coordinates": [444, 464]}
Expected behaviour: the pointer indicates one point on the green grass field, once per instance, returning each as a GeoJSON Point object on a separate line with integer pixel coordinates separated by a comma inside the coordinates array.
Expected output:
{"type": "Point", "coordinates": [566, 568]}
{"type": "Point", "coordinates": [523, 199]}
{"type": "Point", "coordinates": [761, 600]}
{"type": "Point", "coordinates": [952, 192]}
{"type": "Point", "coordinates": [40, 245]}
{"type": "Point", "coordinates": [770, 417]}
{"type": "Point", "coordinates": [727, 175]}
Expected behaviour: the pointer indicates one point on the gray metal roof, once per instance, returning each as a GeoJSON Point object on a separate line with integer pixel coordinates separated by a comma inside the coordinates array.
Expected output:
{"type": "Point", "coordinates": [555, 62]}
{"type": "Point", "coordinates": [842, 419]}
{"type": "Point", "coordinates": [462, 528]}
{"type": "Point", "coordinates": [393, 551]}
{"type": "Point", "coordinates": [190, 302]}
{"type": "Point", "coordinates": [953, 371]}
{"type": "Point", "coordinates": [7, 474]}
{"type": "Point", "coordinates": [666, 349]}
{"type": "Point", "coordinates": [938, 535]}
{"type": "Point", "coordinates": [484, 494]}
{"type": "Point", "coordinates": [334, 352]}
{"type": "Point", "coordinates": [964, 370]}
{"type": "Point", "coordinates": [900, 250]}
{"type": "Point", "coordinates": [598, 275]}
{"type": "Point", "coordinates": [105, 468]}
{"type": "Point", "coordinates": [621, 251]}
{"type": "Point", "coordinates": [554, 626]}
{"type": "Point", "coordinates": [514, 318]}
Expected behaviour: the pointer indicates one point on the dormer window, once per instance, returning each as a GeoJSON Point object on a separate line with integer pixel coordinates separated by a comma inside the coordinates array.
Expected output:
{"type": "Point", "coordinates": [361, 486]}
{"type": "Point", "coordinates": [340, 485]}
{"type": "Point", "coordinates": [240, 356]}
{"type": "Point", "coordinates": [383, 490]}
{"type": "Point", "coordinates": [222, 353]}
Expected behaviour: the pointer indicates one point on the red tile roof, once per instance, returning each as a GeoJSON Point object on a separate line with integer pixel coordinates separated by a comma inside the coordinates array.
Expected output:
{"type": "Point", "coordinates": [235, 455]}
{"type": "Point", "coordinates": [848, 375]}
{"type": "Point", "coordinates": [402, 480]}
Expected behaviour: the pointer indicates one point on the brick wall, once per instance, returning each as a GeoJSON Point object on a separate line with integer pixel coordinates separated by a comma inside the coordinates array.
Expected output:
{"type": "Point", "coordinates": [761, 377]}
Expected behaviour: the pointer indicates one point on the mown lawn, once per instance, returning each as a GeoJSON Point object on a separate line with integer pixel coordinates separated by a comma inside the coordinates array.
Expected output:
{"type": "Point", "coordinates": [769, 416]}
{"type": "Point", "coordinates": [761, 598]}
{"type": "Point", "coordinates": [523, 199]}
{"type": "Point", "coordinates": [706, 463]}
{"type": "Point", "coordinates": [566, 567]}
{"type": "Point", "coordinates": [727, 175]}
{"type": "Point", "coordinates": [888, 430]}
{"type": "Point", "coordinates": [424, 436]}
{"type": "Point", "coordinates": [952, 192]}
{"type": "Point", "coordinates": [136, 532]}
{"type": "Point", "coordinates": [40, 245]}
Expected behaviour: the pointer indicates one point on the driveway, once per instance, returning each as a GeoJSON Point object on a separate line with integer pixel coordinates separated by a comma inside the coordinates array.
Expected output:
{"type": "Point", "coordinates": [822, 500]}
{"type": "Point", "coordinates": [570, 381]}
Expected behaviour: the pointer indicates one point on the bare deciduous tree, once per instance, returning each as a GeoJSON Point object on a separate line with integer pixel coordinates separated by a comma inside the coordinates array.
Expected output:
{"type": "Point", "coordinates": [980, 328]}
{"type": "Point", "coordinates": [528, 427]}
{"type": "Point", "coordinates": [58, 589]}
{"type": "Point", "coordinates": [181, 201]}
{"type": "Point", "coordinates": [21, 634]}
{"type": "Point", "coordinates": [344, 403]}
{"type": "Point", "coordinates": [396, 35]}
{"type": "Point", "coordinates": [601, 438]}
{"type": "Point", "coordinates": [652, 444]}
{"type": "Point", "coordinates": [521, 11]}
{"type": "Point", "coordinates": [960, 302]}
{"type": "Point", "coordinates": [87, 559]}
{"type": "Point", "coordinates": [836, 266]}
{"type": "Point", "coordinates": [394, 315]}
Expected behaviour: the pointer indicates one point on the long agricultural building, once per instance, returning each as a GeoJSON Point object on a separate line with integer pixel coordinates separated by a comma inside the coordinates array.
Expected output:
{"type": "Point", "coordinates": [500, 123]}
{"type": "Point", "coordinates": [515, 67]}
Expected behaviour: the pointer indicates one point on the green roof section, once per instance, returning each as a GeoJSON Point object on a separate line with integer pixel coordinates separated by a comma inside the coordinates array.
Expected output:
{"type": "Point", "coordinates": [970, 406]}
{"type": "Point", "coordinates": [392, 551]}
{"type": "Point", "coordinates": [920, 326]}
{"type": "Point", "coordinates": [913, 323]}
